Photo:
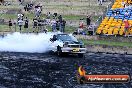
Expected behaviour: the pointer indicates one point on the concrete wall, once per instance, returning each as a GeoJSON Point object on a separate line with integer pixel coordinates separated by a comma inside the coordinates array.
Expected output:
{"type": "Point", "coordinates": [107, 38]}
{"type": "Point", "coordinates": [109, 49]}
{"type": "Point", "coordinates": [106, 48]}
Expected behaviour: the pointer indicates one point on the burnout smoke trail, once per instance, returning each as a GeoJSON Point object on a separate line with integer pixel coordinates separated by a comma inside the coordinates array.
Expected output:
{"type": "Point", "coordinates": [32, 43]}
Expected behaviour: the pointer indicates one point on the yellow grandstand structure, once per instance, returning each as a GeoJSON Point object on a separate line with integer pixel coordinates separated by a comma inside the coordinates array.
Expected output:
{"type": "Point", "coordinates": [113, 24]}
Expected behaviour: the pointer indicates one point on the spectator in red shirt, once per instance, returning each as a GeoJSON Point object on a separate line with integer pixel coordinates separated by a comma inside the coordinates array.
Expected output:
{"type": "Point", "coordinates": [81, 25]}
{"type": "Point", "coordinates": [127, 25]}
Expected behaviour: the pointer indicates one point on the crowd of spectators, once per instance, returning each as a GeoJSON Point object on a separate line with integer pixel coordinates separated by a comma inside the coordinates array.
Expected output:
{"type": "Point", "coordinates": [83, 29]}
{"type": "Point", "coordinates": [39, 24]}
{"type": "Point", "coordinates": [57, 23]}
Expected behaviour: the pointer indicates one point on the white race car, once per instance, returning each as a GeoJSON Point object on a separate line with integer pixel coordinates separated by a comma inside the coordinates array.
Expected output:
{"type": "Point", "coordinates": [66, 43]}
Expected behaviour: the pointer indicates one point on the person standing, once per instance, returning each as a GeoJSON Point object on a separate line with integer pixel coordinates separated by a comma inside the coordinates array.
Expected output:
{"type": "Point", "coordinates": [48, 15]}
{"type": "Point", "coordinates": [53, 24]}
{"type": "Point", "coordinates": [63, 25]}
{"type": "Point", "coordinates": [60, 26]}
{"type": "Point", "coordinates": [126, 14]}
{"type": "Point", "coordinates": [20, 1]}
{"type": "Point", "coordinates": [88, 20]}
{"type": "Point", "coordinates": [26, 24]}
{"type": "Point", "coordinates": [100, 2]}
{"type": "Point", "coordinates": [39, 24]}
{"type": "Point", "coordinates": [57, 25]}
{"type": "Point", "coordinates": [20, 23]}
{"type": "Point", "coordinates": [10, 25]}
{"type": "Point", "coordinates": [81, 26]}
{"type": "Point", "coordinates": [127, 25]}
{"type": "Point", "coordinates": [26, 8]}
{"type": "Point", "coordinates": [35, 24]}
{"type": "Point", "coordinates": [60, 18]}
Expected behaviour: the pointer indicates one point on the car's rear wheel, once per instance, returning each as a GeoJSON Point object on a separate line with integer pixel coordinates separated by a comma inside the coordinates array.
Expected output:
{"type": "Point", "coordinates": [80, 55]}
{"type": "Point", "coordinates": [59, 51]}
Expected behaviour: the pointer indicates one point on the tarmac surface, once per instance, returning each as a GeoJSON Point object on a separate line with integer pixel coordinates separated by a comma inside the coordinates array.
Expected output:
{"type": "Point", "coordinates": [30, 70]}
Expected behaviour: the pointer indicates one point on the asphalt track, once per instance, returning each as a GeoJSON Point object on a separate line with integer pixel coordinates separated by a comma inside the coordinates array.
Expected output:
{"type": "Point", "coordinates": [29, 70]}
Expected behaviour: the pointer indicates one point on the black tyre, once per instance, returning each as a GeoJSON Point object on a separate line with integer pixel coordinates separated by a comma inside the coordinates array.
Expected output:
{"type": "Point", "coordinates": [81, 55]}
{"type": "Point", "coordinates": [59, 51]}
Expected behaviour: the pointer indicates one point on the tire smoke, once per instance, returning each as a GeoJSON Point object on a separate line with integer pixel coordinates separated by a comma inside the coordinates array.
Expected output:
{"type": "Point", "coordinates": [31, 43]}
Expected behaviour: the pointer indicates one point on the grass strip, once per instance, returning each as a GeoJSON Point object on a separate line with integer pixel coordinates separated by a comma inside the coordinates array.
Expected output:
{"type": "Point", "coordinates": [105, 42]}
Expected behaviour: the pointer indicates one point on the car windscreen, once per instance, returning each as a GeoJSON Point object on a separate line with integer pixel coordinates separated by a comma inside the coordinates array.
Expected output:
{"type": "Point", "coordinates": [66, 37]}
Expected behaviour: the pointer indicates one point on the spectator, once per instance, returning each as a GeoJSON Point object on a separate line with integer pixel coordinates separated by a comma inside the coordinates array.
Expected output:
{"type": "Point", "coordinates": [21, 2]}
{"type": "Point", "coordinates": [60, 23]}
{"type": "Point", "coordinates": [20, 23]}
{"type": "Point", "coordinates": [113, 13]}
{"type": "Point", "coordinates": [39, 24]}
{"type": "Point", "coordinates": [100, 2]}
{"type": "Point", "coordinates": [60, 18]}
{"type": "Point", "coordinates": [10, 24]}
{"type": "Point", "coordinates": [63, 25]}
{"type": "Point", "coordinates": [48, 18]}
{"type": "Point", "coordinates": [26, 8]}
{"type": "Point", "coordinates": [54, 15]}
{"type": "Point", "coordinates": [123, 3]}
{"type": "Point", "coordinates": [127, 25]}
{"type": "Point", "coordinates": [37, 11]}
{"type": "Point", "coordinates": [48, 15]}
{"type": "Point", "coordinates": [117, 12]}
{"type": "Point", "coordinates": [53, 24]}
{"type": "Point", "coordinates": [57, 25]}
{"type": "Point", "coordinates": [35, 24]}
{"type": "Point", "coordinates": [29, 7]}
{"type": "Point", "coordinates": [126, 13]}
{"type": "Point", "coordinates": [26, 24]}
{"type": "Point", "coordinates": [80, 30]}
{"type": "Point", "coordinates": [75, 32]}
{"type": "Point", "coordinates": [43, 26]}
{"type": "Point", "coordinates": [1, 2]}
{"type": "Point", "coordinates": [60, 26]}
{"type": "Point", "coordinates": [20, 16]}
{"type": "Point", "coordinates": [15, 25]}
{"type": "Point", "coordinates": [45, 29]}
{"type": "Point", "coordinates": [88, 20]}
{"type": "Point", "coordinates": [128, 6]}
{"type": "Point", "coordinates": [81, 26]}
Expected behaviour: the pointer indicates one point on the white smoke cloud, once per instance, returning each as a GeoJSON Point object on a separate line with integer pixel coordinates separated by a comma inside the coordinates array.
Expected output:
{"type": "Point", "coordinates": [32, 43]}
